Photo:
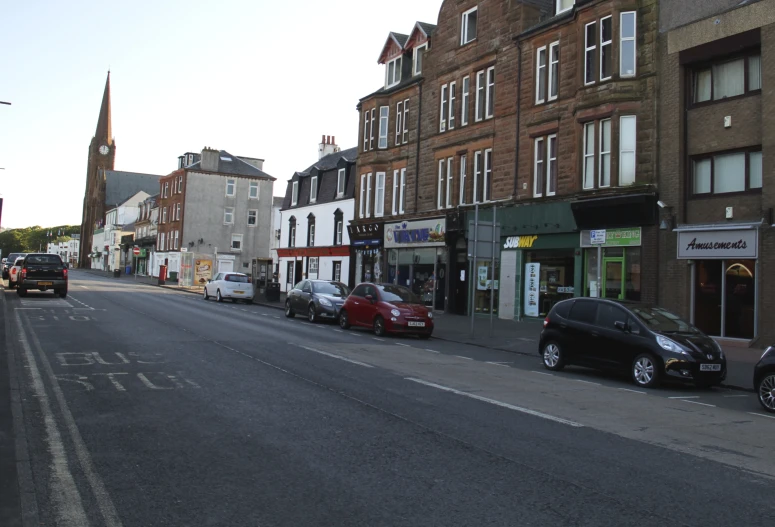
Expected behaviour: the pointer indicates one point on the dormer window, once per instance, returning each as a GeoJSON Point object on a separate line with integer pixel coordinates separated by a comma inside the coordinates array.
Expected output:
{"type": "Point", "coordinates": [313, 189]}
{"type": "Point", "coordinates": [340, 179]}
{"type": "Point", "coordinates": [393, 73]}
{"type": "Point", "coordinates": [468, 26]}
{"type": "Point", "coordinates": [295, 194]}
{"type": "Point", "coordinates": [564, 5]}
{"type": "Point", "coordinates": [419, 56]}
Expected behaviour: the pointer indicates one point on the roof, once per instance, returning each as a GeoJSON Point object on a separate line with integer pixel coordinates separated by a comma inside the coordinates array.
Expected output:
{"type": "Point", "coordinates": [104, 130]}
{"type": "Point", "coordinates": [398, 38]}
{"type": "Point", "coordinates": [327, 170]}
{"type": "Point", "coordinates": [120, 186]}
{"type": "Point", "coordinates": [332, 160]}
{"type": "Point", "coordinates": [549, 7]}
{"type": "Point", "coordinates": [428, 29]}
{"type": "Point", "coordinates": [233, 165]}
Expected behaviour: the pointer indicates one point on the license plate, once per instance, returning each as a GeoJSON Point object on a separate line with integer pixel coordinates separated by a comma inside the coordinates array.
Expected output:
{"type": "Point", "coordinates": [710, 367]}
{"type": "Point", "coordinates": [239, 292]}
{"type": "Point", "coordinates": [413, 324]}
{"type": "Point", "coordinates": [45, 283]}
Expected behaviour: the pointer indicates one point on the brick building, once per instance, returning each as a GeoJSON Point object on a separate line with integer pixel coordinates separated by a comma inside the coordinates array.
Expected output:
{"type": "Point", "coordinates": [713, 155]}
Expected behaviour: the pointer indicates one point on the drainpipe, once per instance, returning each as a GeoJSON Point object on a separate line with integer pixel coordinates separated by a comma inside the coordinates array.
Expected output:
{"type": "Point", "coordinates": [516, 146]}
{"type": "Point", "coordinates": [417, 160]}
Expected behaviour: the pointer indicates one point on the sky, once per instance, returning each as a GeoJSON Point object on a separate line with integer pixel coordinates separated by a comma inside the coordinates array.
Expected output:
{"type": "Point", "coordinates": [257, 78]}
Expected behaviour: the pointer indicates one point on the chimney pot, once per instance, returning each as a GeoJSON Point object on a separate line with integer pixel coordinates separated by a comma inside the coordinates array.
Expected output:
{"type": "Point", "coordinates": [333, 139]}
{"type": "Point", "coordinates": [323, 140]}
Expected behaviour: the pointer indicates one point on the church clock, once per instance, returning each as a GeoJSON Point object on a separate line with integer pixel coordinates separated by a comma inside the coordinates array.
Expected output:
{"type": "Point", "coordinates": [104, 150]}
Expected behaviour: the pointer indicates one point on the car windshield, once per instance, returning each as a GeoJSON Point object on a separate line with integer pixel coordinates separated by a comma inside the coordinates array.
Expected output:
{"type": "Point", "coordinates": [237, 278]}
{"type": "Point", "coordinates": [396, 293]}
{"type": "Point", "coordinates": [662, 320]}
{"type": "Point", "coordinates": [44, 259]}
{"type": "Point", "coordinates": [330, 288]}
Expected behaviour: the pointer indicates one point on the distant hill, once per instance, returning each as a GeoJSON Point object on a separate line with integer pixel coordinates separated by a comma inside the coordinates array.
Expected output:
{"type": "Point", "coordinates": [32, 239]}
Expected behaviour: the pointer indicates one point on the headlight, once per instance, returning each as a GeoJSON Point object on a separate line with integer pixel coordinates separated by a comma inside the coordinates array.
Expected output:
{"type": "Point", "coordinates": [769, 350]}
{"type": "Point", "coordinates": [718, 348]}
{"type": "Point", "coordinates": [430, 314]}
{"type": "Point", "coordinates": [395, 312]}
{"type": "Point", "coordinates": [325, 302]}
{"type": "Point", "coordinates": [669, 345]}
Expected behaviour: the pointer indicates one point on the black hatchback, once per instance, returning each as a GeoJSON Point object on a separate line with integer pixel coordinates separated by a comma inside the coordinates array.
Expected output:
{"type": "Point", "coordinates": [648, 342]}
{"type": "Point", "coordinates": [764, 379]}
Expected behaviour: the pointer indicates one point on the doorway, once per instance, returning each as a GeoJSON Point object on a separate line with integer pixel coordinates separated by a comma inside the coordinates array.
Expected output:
{"type": "Point", "coordinates": [613, 285]}
{"type": "Point", "coordinates": [725, 297]}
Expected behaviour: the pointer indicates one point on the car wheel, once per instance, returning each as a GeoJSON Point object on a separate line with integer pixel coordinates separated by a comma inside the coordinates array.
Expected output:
{"type": "Point", "coordinates": [553, 356]}
{"type": "Point", "coordinates": [288, 310]}
{"type": "Point", "coordinates": [344, 320]}
{"type": "Point", "coordinates": [645, 371]}
{"type": "Point", "coordinates": [766, 391]}
{"type": "Point", "coordinates": [62, 293]}
{"type": "Point", "coordinates": [206, 296]}
{"type": "Point", "coordinates": [379, 326]}
{"type": "Point", "coordinates": [311, 314]}
{"type": "Point", "coordinates": [218, 296]}
{"type": "Point", "coordinates": [21, 292]}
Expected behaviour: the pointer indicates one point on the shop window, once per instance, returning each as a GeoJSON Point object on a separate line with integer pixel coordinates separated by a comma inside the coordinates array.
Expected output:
{"type": "Point", "coordinates": [486, 287]}
{"type": "Point", "coordinates": [555, 271]}
{"type": "Point", "coordinates": [725, 287]}
{"type": "Point", "coordinates": [620, 273]}
{"type": "Point", "coordinates": [726, 173]}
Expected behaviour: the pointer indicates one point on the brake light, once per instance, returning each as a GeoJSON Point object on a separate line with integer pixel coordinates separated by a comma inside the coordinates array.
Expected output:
{"type": "Point", "coordinates": [546, 321]}
{"type": "Point", "coordinates": [24, 273]}
{"type": "Point", "coordinates": [64, 272]}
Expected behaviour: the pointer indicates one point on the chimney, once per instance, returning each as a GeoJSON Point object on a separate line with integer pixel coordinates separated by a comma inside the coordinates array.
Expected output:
{"type": "Point", "coordinates": [327, 146]}
{"type": "Point", "coordinates": [210, 159]}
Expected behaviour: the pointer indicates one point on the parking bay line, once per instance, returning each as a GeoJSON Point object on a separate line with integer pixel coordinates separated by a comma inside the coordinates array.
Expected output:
{"type": "Point", "coordinates": [543, 373]}
{"type": "Point", "coordinates": [632, 391]}
{"type": "Point", "coordinates": [404, 345]}
{"type": "Point", "coordinates": [497, 364]}
{"type": "Point", "coordinates": [336, 356]}
{"type": "Point", "coordinates": [696, 402]}
{"type": "Point", "coordinates": [685, 397]}
{"type": "Point", "coordinates": [762, 415]}
{"type": "Point", "coordinates": [498, 403]}
{"type": "Point", "coordinates": [461, 357]}
{"type": "Point", "coordinates": [589, 382]}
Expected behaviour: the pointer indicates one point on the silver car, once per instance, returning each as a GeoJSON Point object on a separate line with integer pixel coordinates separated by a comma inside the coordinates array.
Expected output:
{"type": "Point", "coordinates": [234, 286]}
{"type": "Point", "coordinates": [14, 272]}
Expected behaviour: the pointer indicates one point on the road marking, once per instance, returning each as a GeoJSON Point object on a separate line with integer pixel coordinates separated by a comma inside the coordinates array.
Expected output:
{"type": "Point", "coordinates": [432, 351]}
{"type": "Point", "coordinates": [278, 318]}
{"type": "Point", "coordinates": [589, 382]}
{"type": "Point", "coordinates": [264, 314]}
{"type": "Point", "coordinates": [498, 403]}
{"type": "Point", "coordinates": [380, 340]}
{"type": "Point", "coordinates": [497, 364]}
{"type": "Point", "coordinates": [762, 415]}
{"type": "Point", "coordinates": [337, 357]}
{"type": "Point", "coordinates": [543, 373]}
{"type": "Point", "coordinates": [461, 357]}
{"type": "Point", "coordinates": [404, 345]}
{"type": "Point", "coordinates": [695, 402]}
{"type": "Point", "coordinates": [339, 331]}
{"type": "Point", "coordinates": [632, 391]}
{"type": "Point", "coordinates": [685, 397]}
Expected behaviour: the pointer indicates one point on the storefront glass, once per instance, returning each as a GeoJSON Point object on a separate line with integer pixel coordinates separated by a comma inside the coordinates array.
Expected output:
{"type": "Point", "coordinates": [725, 298]}
{"type": "Point", "coordinates": [486, 292]}
{"type": "Point", "coordinates": [423, 270]}
{"type": "Point", "coordinates": [555, 276]}
{"type": "Point", "coordinates": [368, 267]}
{"type": "Point", "coordinates": [620, 273]}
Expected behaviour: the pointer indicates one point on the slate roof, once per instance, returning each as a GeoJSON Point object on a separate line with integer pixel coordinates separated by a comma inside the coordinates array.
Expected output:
{"type": "Point", "coordinates": [327, 169]}
{"type": "Point", "coordinates": [236, 167]}
{"type": "Point", "coordinates": [429, 29]}
{"type": "Point", "coordinates": [549, 7]}
{"type": "Point", "coordinates": [400, 38]}
{"type": "Point", "coordinates": [120, 186]}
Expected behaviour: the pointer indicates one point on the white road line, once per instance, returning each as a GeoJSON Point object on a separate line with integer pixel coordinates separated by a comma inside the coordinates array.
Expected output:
{"type": "Point", "coordinates": [498, 403]}
{"type": "Point", "coordinates": [432, 351]}
{"type": "Point", "coordinates": [685, 397]}
{"type": "Point", "coordinates": [543, 373]}
{"type": "Point", "coordinates": [461, 357]}
{"type": "Point", "coordinates": [404, 345]}
{"type": "Point", "coordinates": [695, 402]}
{"type": "Point", "coordinates": [632, 391]}
{"type": "Point", "coordinates": [380, 340]}
{"type": "Point", "coordinates": [762, 415]}
{"type": "Point", "coordinates": [339, 331]}
{"type": "Point", "coordinates": [589, 382]}
{"type": "Point", "coordinates": [264, 314]}
{"type": "Point", "coordinates": [337, 357]}
{"type": "Point", "coordinates": [497, 364]}
{"type": "Point", "coordinates": [278, 318]}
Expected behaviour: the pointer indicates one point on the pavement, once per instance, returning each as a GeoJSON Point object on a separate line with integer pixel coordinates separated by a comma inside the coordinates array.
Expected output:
{"type": "Point", "coordinates": [144, 406]}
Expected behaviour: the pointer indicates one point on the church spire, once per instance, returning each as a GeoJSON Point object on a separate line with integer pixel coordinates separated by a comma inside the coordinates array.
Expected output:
{"type": "Point", "coordinates": [104, 130]}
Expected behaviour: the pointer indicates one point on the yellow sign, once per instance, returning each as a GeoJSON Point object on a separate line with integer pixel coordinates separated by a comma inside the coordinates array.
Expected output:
{"type": "Point", "coordinates": [203, 271]}
{"type": "Point", "coordinates": [520, 242]}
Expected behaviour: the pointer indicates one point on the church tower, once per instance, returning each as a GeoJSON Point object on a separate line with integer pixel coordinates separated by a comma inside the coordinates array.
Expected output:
{"type": "Point", "coordinates": [102, 153]}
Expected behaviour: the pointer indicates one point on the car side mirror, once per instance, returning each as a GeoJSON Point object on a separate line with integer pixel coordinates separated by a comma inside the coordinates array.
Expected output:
{"type": "Point", "coordinates": [209, 280]}
{"type": "Point", "coordinates": [622, 326]}
{"type": "Point", "coordinates": [370, 298]}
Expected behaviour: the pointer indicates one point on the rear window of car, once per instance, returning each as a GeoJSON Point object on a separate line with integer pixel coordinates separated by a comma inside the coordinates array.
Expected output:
{"type": "Point", "coordinates": [241, 279]}
{"type": "Point", "coordinates": [562, 309]}
{"type": "Point", "coordinates": [584, 311]}
{"type": "Point", "coordinates": [44, 259]}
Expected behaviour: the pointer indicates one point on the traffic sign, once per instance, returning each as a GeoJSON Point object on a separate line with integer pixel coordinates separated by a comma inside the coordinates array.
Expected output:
{"type": "Point", "coordinates": [136, 251]}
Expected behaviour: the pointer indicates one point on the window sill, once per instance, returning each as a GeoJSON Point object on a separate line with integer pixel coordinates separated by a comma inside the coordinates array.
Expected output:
{"type": "Point", "coordinates": [703, 104]}
{"type": "Point", "coordinates": [750, 192]}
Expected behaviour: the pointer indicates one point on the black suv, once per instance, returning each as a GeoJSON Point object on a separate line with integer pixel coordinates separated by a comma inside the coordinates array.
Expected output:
{"type": "Point", "coordinates": [647, 341]}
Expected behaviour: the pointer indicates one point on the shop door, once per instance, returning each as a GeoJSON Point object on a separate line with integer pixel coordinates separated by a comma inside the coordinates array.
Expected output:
{"type": "Point", "coordinates": [613, 284]}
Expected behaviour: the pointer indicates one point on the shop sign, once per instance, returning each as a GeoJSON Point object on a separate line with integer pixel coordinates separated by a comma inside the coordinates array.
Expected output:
{"type": "Point", "coordinates": [427, 233]}
{"type": "Point", "coordinates": [629, 237]}
{"type": "Point", "coordinates": [520, 242]}
{"type": "Point", "coordinates": [718, 244]}
{"type": "Point", "coordinates": [366, 234]}
{"type": "Point", "coordinates": [532, 278]}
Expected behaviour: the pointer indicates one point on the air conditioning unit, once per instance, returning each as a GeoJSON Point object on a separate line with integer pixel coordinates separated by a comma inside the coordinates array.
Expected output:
{"type": "Point", "coordinates": [443, 126]}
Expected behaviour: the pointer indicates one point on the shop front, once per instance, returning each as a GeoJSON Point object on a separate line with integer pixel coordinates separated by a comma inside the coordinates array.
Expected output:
{"type": "Point", "coordinates": [724, 277]}
{"type": "Point", "coordinates": [366, 255]}
{"type": "Point", "coordinates": [612, 263]}
{"type": "Point", "coordinates": [417, 258]}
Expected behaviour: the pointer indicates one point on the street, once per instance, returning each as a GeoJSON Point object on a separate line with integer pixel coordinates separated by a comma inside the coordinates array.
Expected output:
{"type": "Point", "coordinates": [134, 405]}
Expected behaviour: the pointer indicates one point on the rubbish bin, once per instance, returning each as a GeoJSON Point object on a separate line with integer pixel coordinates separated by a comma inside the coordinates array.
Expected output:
{"type": "Point", "coordinates": [273, 291]}
{"type": "Point", "coordinates": [128, 269]}
{"type": "Point", "coordinates": [116, 273]}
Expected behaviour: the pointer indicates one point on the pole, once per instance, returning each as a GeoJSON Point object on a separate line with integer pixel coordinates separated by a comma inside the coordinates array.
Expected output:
{"type": "Point", "coordinates": [472, 278]}
{"type": "Point", "coordinates": [599, 270]}
{"type": "Point", "coordinates": [492, 268]}
{"type": "Point", "coordinates": [135, 266]}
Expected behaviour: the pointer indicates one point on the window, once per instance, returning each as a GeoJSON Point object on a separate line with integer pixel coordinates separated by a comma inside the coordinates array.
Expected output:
{"type": "Point", "coordinates": [161, 241]}
{"type": "Point", "coordinates": [627, 137]}
{"type": "Point", "coordinates": [230, 185]}
{"type": "Point", "coordinates": [604, 163]}
{"type": "Point", "coordinates": [545, 166]}
{"type": "Point", "coordinates": [368, 194]}
{"type": "Point", "coordinates": [468, 26]}
{"type": "Point", "coordinates": [538, 167]}
{"type": "Point", "coordinates": [365, 130]}
{"type": "Point", "coordinates": [490, 92]}
{"type": "Point", "coordinates": [289, 275]}
{"type": "Point", "coordinates": [564, 5]}
{"type": "Point", "coordinates": [399, 184]}
{"type": "Point", "coordinates": [464, 103]}
{"type": "Point", "coordinates": [627, 48]}
{"type": "Point", "coordinates": [312, 268]}
{"type": "Point", "coordinates": [338, 228]}
{"type": "Point", "coordinates": [395, 193]}
{"type": "Point", "coordinates": [463, 179]}
{"type": "Point", "coordinates": [236, 242]}
{"type": "Point", "coordinates": [340, 182]}
{"type": "Point", "coordinates": [554, 70]}
{"type": "Point", "coordinates": [727, 172]}
{"type": "Point", "coordinates": [452, 96]}
{"type": "Point", "coordinates": [443, 110]}
{"type": "Point", "coordinates": [419, 55]}
{"type": "Point", "coordinates": [253, 190]}
{"type": "Point", "coordinates": [405, 136]}
{"type": "Point", "coordinates": [177, 239]}
{"type": "Point", "coordinates": [727, 79]}
{"type": "Point", "coordinates": [590, 45]}
{"type": "Point", "coordinates": [540, 75]}
{"type": "Point", "coordinates": [384, 115]}
{"type": "Point", "coordinates": [608, 314]}
{"type": "Point", "coordinates": [551, 167]}
{"type": "Point", "coordinates": [180, 183]}
{"type": "Point", "coordinates": [399, 116]}
{"type": "Point", "coordinates": [311, 230]}
{"type": "Point", "coordinates": [479, 113]}
{"type": "Point", "coordinates": [379, 195]}
{"type": "Point", "coordinates": [228, 216]}
{"type": "Point", "coordinates": [337, 275]}
{"type": "Point", "coordinates": [393, 72]}
{"type": "Point", "coordinates": [166, 189]}
{"type": "Point", "coordinates": [402, 200]}
{"type": "Point", "coordinates": [477, 175]}
{"type": "Point", "coordinates": [606, 45]}
{"type": "Point", "coordinates": [584, 311]}
{"type": "Point", "coordinates": [589, 156]}
{"type": "Point", "coordinates": [292, 232]}
{"type": "Point", "coordinates": [295, 194]}
{"type": "Point", "coordinates": [487, 175]}
{"type": "Point", "coordinates": [313, 189]}
{"type": "Point", "coordinates": [164, 215]}
{"type": "Point", "coordinates": [252, 218]}
{"type": "Point", "coordinates": [362, 201]}
{"type": "Point", "coordinates": [371, 128]}
{"type": "Point", "coordinates": [440, 194]}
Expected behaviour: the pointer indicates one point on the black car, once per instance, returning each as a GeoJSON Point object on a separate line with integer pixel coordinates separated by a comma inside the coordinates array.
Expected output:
{"type": "Point", "coordinates": [647, 341]}
{"type": "Point", "coordinates": [764, 379]}
{"type": "Point", "coordinates": [42, 272]}
{"type": "Point", "coordinates": [318, 299]}
{"type": "Point", "coordinates": [9, 263]}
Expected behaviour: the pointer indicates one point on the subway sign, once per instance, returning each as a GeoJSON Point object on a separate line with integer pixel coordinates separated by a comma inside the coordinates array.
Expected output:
{"type": "Point", "coordinates": [520, 242]}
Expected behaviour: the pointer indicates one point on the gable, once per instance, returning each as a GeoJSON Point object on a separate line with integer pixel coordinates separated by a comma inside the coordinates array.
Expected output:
{"type": "Point", "coordinates": [394, 47]}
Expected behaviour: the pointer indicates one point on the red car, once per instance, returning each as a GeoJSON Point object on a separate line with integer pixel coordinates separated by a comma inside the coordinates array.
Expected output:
{"type": "Point", "coordinates": [387, 308]}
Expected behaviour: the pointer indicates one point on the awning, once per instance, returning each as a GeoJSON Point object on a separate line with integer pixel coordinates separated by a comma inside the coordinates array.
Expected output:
{"type": "Point", "coordinates": [615, 211]}
{"type": "Point", "coordinates": [696, 227]}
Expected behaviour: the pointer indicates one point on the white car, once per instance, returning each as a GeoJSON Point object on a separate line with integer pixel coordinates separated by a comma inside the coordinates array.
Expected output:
{"type": "Point", "coordinates": [235, 286]}
{"type": "Point", "coordinates": [14, 272]}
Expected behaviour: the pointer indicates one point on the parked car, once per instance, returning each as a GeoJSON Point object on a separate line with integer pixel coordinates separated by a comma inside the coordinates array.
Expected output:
{"type": "Point", "coordinates": [234, 286]}
{"type": "Point", "coordinates": [317, 298]}
{"type": "Point", "coordinates": [9, 261]}
{"type": "Point", "coordinates": [42, 272]}
{"type": "Point", "coordinates": [14, 273]}
{"type": "Point", "coordinates": [649, 342]}
{"type": "Point", "coordinates": [764, 379]}
{"type": "Point", "coordinates": [387, 308]}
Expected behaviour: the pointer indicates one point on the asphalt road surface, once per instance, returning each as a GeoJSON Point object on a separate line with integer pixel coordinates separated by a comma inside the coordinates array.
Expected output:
{"type": "Point", "coordinates": [134, 405]}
